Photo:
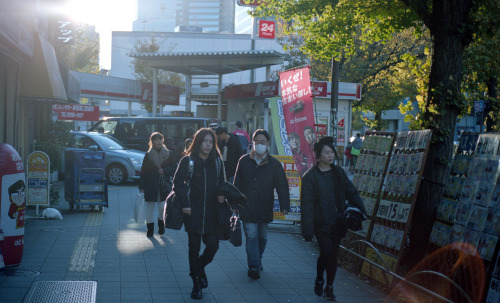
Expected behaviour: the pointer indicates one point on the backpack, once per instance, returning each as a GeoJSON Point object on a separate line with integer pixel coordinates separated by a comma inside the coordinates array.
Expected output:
{"type": "Point", "coordinates": [244, 143]}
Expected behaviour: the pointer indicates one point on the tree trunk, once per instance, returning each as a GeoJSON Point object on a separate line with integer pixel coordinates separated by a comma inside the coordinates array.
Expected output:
{"type": "Point", "coordinates": [442, 108]}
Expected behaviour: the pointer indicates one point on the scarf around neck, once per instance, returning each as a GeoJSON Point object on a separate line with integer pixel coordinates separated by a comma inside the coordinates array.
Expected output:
{"type": "Point", "coordinates": [158, 157]}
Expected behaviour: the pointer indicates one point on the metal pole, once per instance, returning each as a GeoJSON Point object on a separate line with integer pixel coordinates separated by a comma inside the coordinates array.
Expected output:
{"type": "Point", "coordinates": [188, 93]}
{"type": "Point", "coordinates": [155, 91]}
{"type": "Point", "coordinates": [334, 100]}
{"type": "Point", "coordinates": [252, 46]}
{"type": "Point", "coordinates": [219, 99]}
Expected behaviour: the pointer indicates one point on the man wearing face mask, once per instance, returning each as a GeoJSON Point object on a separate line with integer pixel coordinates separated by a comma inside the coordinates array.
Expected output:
{"type": "Point", "coordinates": [257, 176]}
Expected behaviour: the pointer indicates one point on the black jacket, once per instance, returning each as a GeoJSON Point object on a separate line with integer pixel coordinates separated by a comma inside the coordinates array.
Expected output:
{"type": "Point", "coordinates": [150, 177]}
{"type": "Point", "coordinates": [202, 193]}
{"type": "Point", "coordinates": [257, 183]}
{"type": "Point", "coordinates": [322, 202]}
{"type": "Point", "coordinates": [233, 154]}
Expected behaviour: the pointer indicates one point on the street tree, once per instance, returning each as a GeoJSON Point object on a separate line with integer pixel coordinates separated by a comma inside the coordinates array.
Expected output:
{"type": "Point", "coordinates": [83, 54]}
{"type": "Point", "coordinates": [145, 73]}
{"type": "Point", "coordinates": [328, 27]}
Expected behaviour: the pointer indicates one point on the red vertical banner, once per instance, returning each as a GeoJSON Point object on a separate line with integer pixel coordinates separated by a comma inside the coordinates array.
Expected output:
{"type": "Point", "coordinates": [296, 96]}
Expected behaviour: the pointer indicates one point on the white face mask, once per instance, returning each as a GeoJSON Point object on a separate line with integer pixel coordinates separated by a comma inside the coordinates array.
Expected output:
{"type": "Point", "coordinates": [260, 148]}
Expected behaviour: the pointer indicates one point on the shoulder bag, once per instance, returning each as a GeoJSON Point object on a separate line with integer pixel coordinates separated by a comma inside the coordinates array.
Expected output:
{"type": "Point", "coordinates": [172, 213]}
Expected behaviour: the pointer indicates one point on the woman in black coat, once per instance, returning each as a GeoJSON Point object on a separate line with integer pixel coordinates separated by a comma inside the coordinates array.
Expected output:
{"type": "Point", "coordinates": [325, 188]}
{"type": "Point", "coordinates": [199, 202]}
{"type": "Point", "coordinates": [157, 161]}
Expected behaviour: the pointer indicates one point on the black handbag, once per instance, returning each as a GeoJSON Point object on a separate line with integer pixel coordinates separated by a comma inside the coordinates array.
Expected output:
{"type": "Point", "coordinates": [235, 234]}
{"type": "Point", "coordinates": [172, 213]}
{"type": "Point", "coordinates": [165, 185]}
{"type": "Point", "coordinates": [173, 217]}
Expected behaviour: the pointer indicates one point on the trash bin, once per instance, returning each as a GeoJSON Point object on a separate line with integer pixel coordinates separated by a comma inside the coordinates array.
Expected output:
{"type": "Point", "coordinates": [13, 206]}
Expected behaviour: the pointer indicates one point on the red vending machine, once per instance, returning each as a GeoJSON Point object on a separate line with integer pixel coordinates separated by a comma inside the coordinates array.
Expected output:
{"type": "Point", "coordinates": [12, 206]}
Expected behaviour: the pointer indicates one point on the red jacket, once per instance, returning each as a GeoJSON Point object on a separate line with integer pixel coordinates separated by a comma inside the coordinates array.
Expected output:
{"type": "Point", "coordinates": [347, 153]}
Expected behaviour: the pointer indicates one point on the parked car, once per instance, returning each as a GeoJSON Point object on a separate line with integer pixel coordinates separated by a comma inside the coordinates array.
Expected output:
{"type": "Point", "coordinates": [122, 163]}
{"type": "Point", "coordinates": [134, 132]}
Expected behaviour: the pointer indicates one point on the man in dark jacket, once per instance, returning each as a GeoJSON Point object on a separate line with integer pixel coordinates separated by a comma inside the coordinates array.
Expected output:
{"type": "Point", "coordinates": [257, 175]}
{"type": "Point", "coordinates": [230, 148]}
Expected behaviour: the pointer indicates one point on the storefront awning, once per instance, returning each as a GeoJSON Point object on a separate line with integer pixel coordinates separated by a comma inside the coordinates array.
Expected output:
{"type": "Point", "coordinates": [40, 76]}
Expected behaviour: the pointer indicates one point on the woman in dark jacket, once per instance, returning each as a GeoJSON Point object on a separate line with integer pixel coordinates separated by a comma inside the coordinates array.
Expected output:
{"type": "Point", "coordinates": [325, 188]}
{"type": "Point", "coordinates": [157, 161]}
{"type": "Point", "coordinates": [199, 203]}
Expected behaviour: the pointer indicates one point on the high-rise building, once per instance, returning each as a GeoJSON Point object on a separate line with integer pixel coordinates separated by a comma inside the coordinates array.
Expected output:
{"type": "Point", "coordinates": [242, 20]}
{"type": "Point", "coordinates": [211, 16]}
{"type": "Point", "coordinates": [156, 15]}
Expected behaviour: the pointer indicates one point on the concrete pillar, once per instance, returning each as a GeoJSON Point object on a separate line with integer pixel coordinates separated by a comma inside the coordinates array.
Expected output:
{"type": "Point", "coordinates": [155, 90]}
{"type": "Point", "coordinates": [129, 109]}
{"type": "Point", "coordinates": [268, 72]}
{"type": "Point", "coordinates": [219, 99]}
{"type": "Point", "coordinates": [188, 93]}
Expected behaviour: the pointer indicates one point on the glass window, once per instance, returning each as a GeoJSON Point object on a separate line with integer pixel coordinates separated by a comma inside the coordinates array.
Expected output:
{"type": "Point", "coordinates": [204, 4]}
{"type": "Point", "coordinates": [204, 10]}
{"type": "Point", "coordinates": [204, 17]}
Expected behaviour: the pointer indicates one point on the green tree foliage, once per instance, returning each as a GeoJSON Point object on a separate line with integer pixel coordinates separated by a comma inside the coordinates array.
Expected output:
{"type": "Point", "coordinates": [144, 72]}
{"type": "Point", "coordinates": [331, 29]}
{"type": "Point", "coordinates": [482, 63]}
{"type": "Point", "coordinates": [83, 55]}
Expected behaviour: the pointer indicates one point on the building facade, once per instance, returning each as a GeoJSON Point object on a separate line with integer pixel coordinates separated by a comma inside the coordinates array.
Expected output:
{"type": "Point", "coordinates": [208, 16]}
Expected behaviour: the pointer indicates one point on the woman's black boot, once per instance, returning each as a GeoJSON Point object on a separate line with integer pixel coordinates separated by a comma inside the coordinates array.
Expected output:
{"type": "Point", "coordinates": [151, 229]}
{"type": "Point", "coordinates": [161, 227]}
{"type": "Point", "coordinates": [196, 293]}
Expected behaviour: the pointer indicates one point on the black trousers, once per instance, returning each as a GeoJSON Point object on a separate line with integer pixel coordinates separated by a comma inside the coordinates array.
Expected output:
{"type": "Point", "coordinates": [328, 243]}
{"type": "Point", "coordinates": [197, 263]}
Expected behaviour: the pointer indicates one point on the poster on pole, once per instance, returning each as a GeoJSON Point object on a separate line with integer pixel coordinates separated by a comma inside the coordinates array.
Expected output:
{"type": "Point", "coordinates": [297, 101]}
{"type": "Point", "coordinates": [279, 127]}
{"type": "Point", "coordinates": [294, 184]}
{"type": "Point", "coordinates": [38, 178]}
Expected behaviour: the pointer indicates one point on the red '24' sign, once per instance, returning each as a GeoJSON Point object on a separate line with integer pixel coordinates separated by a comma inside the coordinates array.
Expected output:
{"type": "Point", "coordinates": [266, 29]}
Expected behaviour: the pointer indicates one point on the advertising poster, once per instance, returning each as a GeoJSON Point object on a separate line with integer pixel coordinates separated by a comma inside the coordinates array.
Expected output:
{"type": "Point", "coordinates": [294, 183]}
{"type": "Point", "coordinates": [13, 206]}
{"type": "Point", "coordinates": [38, 178]}
{"type": "Point", "coordinates": [279, 127]}
{"type": "Point", "coordinates": [296, 96]}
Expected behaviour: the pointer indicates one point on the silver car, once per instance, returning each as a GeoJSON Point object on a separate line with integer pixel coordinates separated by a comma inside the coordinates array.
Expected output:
{"type": "Point", "coordinates": [122, 163]}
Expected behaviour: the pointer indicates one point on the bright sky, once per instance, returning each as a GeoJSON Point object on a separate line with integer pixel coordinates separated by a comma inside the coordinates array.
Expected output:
{"type": "Point", "coordinates": [107, 16]}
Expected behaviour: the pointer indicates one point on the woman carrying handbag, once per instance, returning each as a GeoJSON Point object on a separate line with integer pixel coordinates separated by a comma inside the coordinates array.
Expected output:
{"type": "Point", "coordinates": [157, 169]}
{"type": "Point", "coordinates": [325, 188]}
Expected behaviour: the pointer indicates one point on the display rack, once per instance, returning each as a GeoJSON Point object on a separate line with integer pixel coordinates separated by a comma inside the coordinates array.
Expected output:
{"type": "Point", "coordinates": [470, 209]}
{"type": "Point", "coordinates": [370, 171]}
{"type": "Point", "coordinates": [393, 211]}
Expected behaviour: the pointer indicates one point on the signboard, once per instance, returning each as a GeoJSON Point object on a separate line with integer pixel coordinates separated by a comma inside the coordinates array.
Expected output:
{"type": "Point", "coordinates": [64, 31]}
{"type": "Point", "coordinates": [279, 127]}
{"type": "Point", "coordinates": [394, 211]}
{"type": "Point", "coordinates": [249, 3]}
{"type": "Point", "coordinates": [341, 132]}
{"type": "Point", "coordinates": [38, 178]}
{"type": "Point", "coordinates": [294, 183]}
{"type": "Point", "coordinates": [252, 90]}
{"type": "Point", "coordinates": [296, 96]}
{"type": "Point", "coordinates": [479, 106]}
{"type": "Point", "coordinates": [320, 89]}
{"type": "Point", "coordinates": [267, 29]}
{"type": "Point", "coordinates": [167, 95]}
{"type": "Point", "coordinates": [76, 112]}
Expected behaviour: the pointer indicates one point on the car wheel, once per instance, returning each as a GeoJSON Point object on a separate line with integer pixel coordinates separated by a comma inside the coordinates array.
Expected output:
{"type": "Point", "coordinates": [116, 174]}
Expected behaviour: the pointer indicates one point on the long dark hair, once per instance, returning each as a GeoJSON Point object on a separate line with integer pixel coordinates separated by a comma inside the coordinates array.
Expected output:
{"type": "Point", "coordinates": [194, 148]}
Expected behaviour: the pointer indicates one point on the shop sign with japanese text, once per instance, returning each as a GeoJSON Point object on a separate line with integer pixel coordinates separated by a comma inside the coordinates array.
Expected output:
{"type": "Point", "coordinates": [38, 178]}
{"type": "Point", "coordinates": [76, 112]}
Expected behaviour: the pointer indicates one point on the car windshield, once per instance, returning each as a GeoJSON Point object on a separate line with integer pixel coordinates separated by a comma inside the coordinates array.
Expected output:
{"type": "Point", "coordinates": [108, 142]}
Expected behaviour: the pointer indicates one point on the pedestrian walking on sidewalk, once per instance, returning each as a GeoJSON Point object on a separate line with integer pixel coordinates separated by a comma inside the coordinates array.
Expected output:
{"type": "Point", "coordinates": [158, 163]}
{"type": "Point", "coordinates": [349, 158]}
{"type": "Point", "coordinates": [325, 188]}
{"type": "Point", "coordinates": [230, 148]}
{"type": "Point", "coordinates": [199, 203]}
{"type": "Point", "coordinates": [257, 176]}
